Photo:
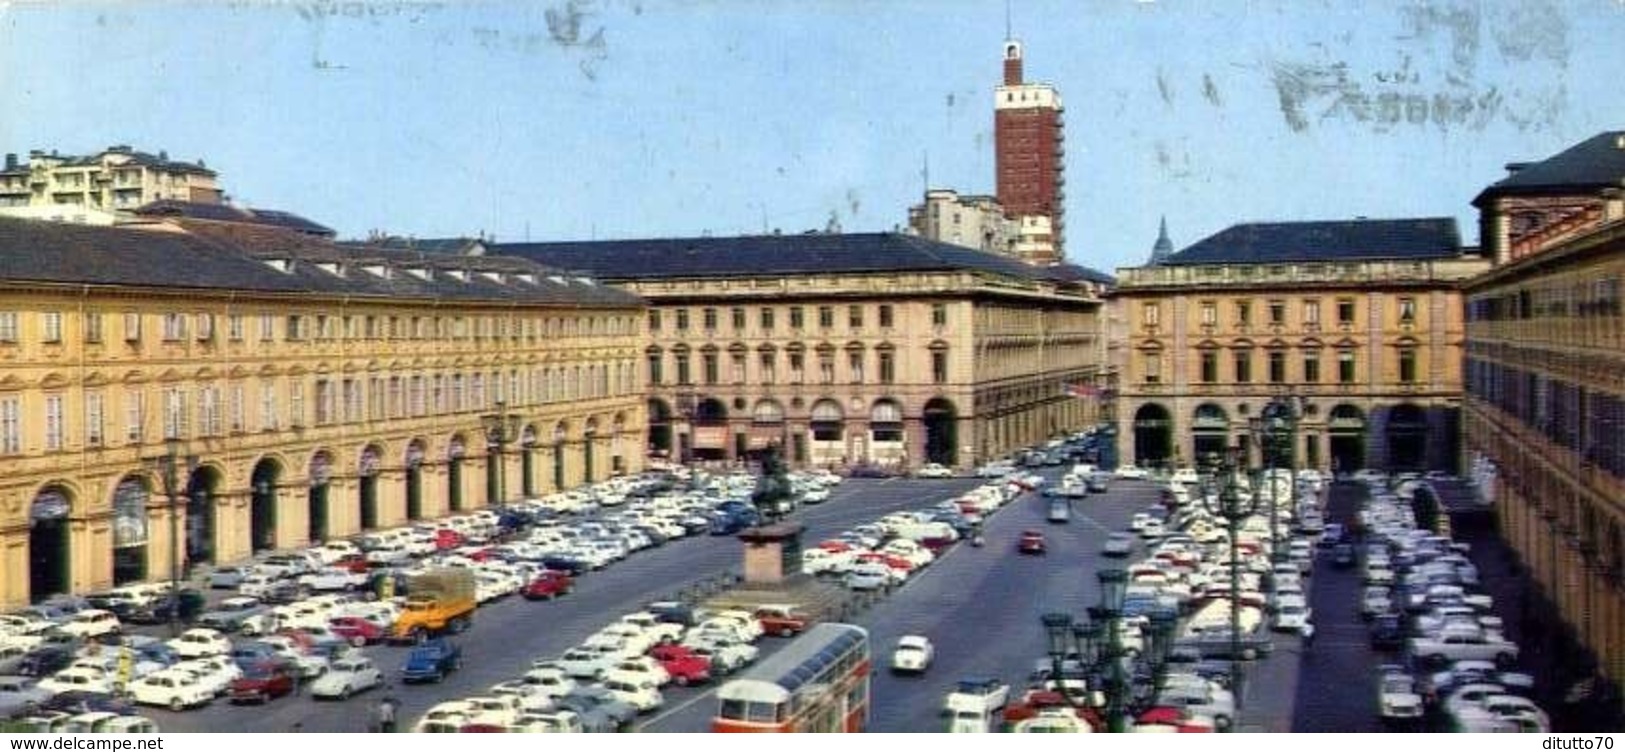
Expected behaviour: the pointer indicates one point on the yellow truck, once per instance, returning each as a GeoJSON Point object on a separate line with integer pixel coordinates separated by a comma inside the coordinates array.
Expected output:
{"type": "Point", "coordinates": [438, 601]}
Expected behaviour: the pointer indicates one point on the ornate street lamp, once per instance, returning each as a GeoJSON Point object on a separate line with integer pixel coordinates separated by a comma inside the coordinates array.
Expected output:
{"type": "Point", "coordinates": [1275, 430]}
{"type": "Point", "coordinates": [165, 466]}
{"type": "Point", "coordinates": [1222, 497]}
{"type": "Point", "coordinates": [501, 429]}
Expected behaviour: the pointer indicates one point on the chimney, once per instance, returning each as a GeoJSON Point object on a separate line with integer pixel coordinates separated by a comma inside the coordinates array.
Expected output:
{"type": "Point", "coordinates": [11, 161]}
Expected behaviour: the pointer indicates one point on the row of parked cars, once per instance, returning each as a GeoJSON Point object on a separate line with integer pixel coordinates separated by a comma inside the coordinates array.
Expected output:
{"type": "Point", "coordinates": [1454, 667]}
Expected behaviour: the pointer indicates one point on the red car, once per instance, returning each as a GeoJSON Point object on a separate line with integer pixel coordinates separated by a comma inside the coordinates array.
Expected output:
{"type": "Point", "coordinates": [1032, 542]}
{"type": "Point", "coordinates": [446, 539]}
{"type": "Point", "coordinates": [549, 585]}
{"type": "Point", "coordinates": [781, 621]}
{"type": "Point", "coordinates": [354, 563]}
{"type": "Point", "coordinates": [685, 666]}
{"type": "Point", "coordinates": [357, 630]}
{"type": "Point", "coordinates": [261, 683]}
{"type": "Point", "coordinates": [1038, 700]}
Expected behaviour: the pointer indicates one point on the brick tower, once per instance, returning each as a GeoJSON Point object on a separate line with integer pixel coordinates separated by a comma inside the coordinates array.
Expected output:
{"type": "Point", "coordinates": [1028, 150]}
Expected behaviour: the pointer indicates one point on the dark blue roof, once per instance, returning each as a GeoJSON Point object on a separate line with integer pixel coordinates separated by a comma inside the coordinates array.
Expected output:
{"type": "Point", "coordinates": [769, 255]}
{"type": "Point", "coordinates": [1359, 239]}
{"type": "Point", "coordinates": [1596, 162]}
{"type": "Point", "coordinates": [229, 213]}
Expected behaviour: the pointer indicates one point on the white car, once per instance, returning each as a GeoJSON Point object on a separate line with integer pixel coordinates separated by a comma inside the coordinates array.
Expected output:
{"type": "Point", "coordinates": [1397, 698]}
{"type": "Point", "coordinates": [80, 678]}
{"type": "Point", "coordinates": [214, 674]}
{"type": "Point", "coordinates": [200, 643]}
{"type": "Point", "coordinates": [727, 656]}
{"type": "Point", "coordinates": [92, 623]}
{"type": "Point", "coordinates": [1291, 617]}
{"type": "Point", "coordinates": [176, 690]}
{"type": "Point", "coordinates": [347, 676]}
{"type": "Point", "coordinates": [641, 670]}
{"type": "Point", "coordinates": [548, 681]}
{"type": "Point", "coordinates": [934, 470]}
{"type": "Point", "coordinates": [644, 698]}
{"type": "Point", "coordinates": [913, 655]}
{"type": "Point", "coordinates": [330, 579]}
{"type": "Point", "coordinates": [581, 663]}
{"type": "Point", "coordinates": [1130, 472]}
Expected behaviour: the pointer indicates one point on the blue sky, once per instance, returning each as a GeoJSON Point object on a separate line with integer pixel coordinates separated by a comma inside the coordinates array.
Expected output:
{"type": "Point", "coordinates": [655, 118]}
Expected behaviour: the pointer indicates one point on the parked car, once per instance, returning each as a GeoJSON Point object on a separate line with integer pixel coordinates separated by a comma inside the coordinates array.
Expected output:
{"type": "Point", "coordinates": [346, 677]}
{"type": "Point", "coordinates": [229, 614]}
{"type": "Point", "coordinates": [683, 664]}
{"type": "Point", "coordinates": [200, 643]}
{"type": "Point", "coordinates": [170, 688]}
{"type": "Point", "coordinates": [262, 683]}
{"type": "Point", "coordinates": [1119, 545]}
{"type": "Point", "coordinates": [548, 585]}
{"type": "Point", "coordinates": [781, 620]}
{"type": "Point", "coordinates": [934, 470]}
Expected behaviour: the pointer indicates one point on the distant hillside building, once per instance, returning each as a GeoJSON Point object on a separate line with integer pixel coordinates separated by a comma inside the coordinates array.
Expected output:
{"type": "Point", "coordinates": [118, 178]}
{"type": "Point", "coordinates": [970, 221]}
{"type": "Point", "coordinates": [1029, 153]}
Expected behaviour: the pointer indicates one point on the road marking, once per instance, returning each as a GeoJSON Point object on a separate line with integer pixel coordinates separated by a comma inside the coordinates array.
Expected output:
{"type": "Point", "coordinates": [1092, 521]}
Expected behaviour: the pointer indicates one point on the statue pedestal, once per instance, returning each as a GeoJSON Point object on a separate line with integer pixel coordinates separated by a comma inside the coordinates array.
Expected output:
{"type": "Point", "coordinates": [772, 553]}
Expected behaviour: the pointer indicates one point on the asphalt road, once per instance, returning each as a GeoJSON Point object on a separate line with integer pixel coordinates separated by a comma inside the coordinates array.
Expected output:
{"type": "Point", "coordinates": [1336, 689]}
{"type": "Point", "coordinates": [979, 606]}
{"type": "Point", "coordinates": [508, 635]}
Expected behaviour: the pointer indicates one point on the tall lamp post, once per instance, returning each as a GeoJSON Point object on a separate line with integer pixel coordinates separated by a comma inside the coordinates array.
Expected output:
{"type": "Point", "coordinates": [501, 429]}
{"type": "Point", "coordinates": [1067, 637]}
{"type": "Point", "coordinates": [1275, 431]}
{"type": "Point", "coordinates": [1221, 496]}
{"type": "Point", "coordinates": [166, 466]}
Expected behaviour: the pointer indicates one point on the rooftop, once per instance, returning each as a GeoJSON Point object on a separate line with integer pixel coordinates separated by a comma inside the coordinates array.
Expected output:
{"type": "Point", "coordinates": [778, 255]}
{"type": "Point", "coordinates": [1597, 162]}
{"type": "Point", "coordinates": [1344, 240]}
{"type": "Point", "coordinates": [229, 213]}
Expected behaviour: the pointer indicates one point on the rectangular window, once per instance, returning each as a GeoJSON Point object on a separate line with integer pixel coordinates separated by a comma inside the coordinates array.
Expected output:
{"type": "Point", "coordinates": [324, 402]}
{"type": "Point", "coordinates": [93, 327]}
{"type": "Point", "coordinates": [1345, 311]}
{"type": "Point", "coordinates": [55, 436]}
{"type": "Point", "coordinates": [1244, 313]}
{"type": "Point", "coordinates": [797, 318]}
{"type": "Point", "coordinates": [826, 317]}
{"type": "Point", "coordinates": [52, 325]}
{"type": "Point", "coordinates": [209, 411]}
{"type": "Point", "coordinates": [655, 374]}
{"type": "Point", "coordinates": [1210, 367]}
{"type": "Point", "coordinates": [204, 326]}
{"type": "Point", "coordinates": [885, 317]}
{"type": "Point", "coordinates": [1311, 312]}
{"type": "Point", "coordinates": [798, 368]}
{"type": "Point", "coordinates": [395, 406]}
{"type": "Point", "coordinates": [1153, 368]}
{"type": "Point", "coordinates": [234, 327]}
{"type": "Point", "coordinates": [682, 319]}
{"type": "Point", "coordinates": [826, 368]}
{"type": "Point", "coordinates": [939, 367]}
{"type": "Point", "coordinates": [738, 315]}
{"type": "Point", "coordinates": [767, 319]}
{"type": "Point", "coordinates": [1345, 366]}
{"type": "Point", "coordinates": [95, 418]}
{"type": "Point", "coordinates": [888, 367]}
{"type": "Point", "coordinates": [457, 393]}
{"type": "Point", "coordinates": [1277, 366]}
{"type": "Point", "coordinates": [709, 317]}
{"type": "Point", "coordinates": [1277, 313]}
{"type": "Point", "coordinates": [268, 408]}
{"type": "Point", "coordinates": [854, 317]}
{"type": "Point", "coordinates": [736, 363]}
{"type": "Point", "coordinates": [1311, 367]}
{"type": "Point", "coordinates": [1244, 366]}
{"type": "Point", "coordinates": [174, 413]}
{"type": "Point", "coordinates": [1210, 313]}
{"type": "Point", "coordinates": [236, 409]}
{"type": "Point", "coordinates": [708, 367]}
{"type": "Point", "coordinates": [476, 391]}
{"type": "Point", "coordinates": [854, 366]}
{"type": "Point", "coordinates": [267, 327]}
{"type": "Point", "coordinates": [684, 378]}
{"type": "Point", "coordinates": [436, 402]}
{"type": "Point", "coordinates": [1407, 310]}
{"type": "Point", "coordinates": [417, 396]}
{"type": "Point", "coordinates": [766, 366]}
{"type": "Point", "coordinates": [939, 314]}
{"type": "Point", "coordinates": [352, 400]}
{"type": "Point", "coordinates": [132, 327]}
{"type": "Point", "coordinates": [135, 416]}
{"type": "Point", "coordinates": [1152, 314]}
{"type": "Point", "coordinates": [1407, 365]}
{"type": "Point", "coordinates": [294, 331]}
{"type": "Point", "coordinates": [174, 327]}
{"type": "Point", "coordinates": [11, 427]}
{"type": "Point", "coordinates": [296, 403]}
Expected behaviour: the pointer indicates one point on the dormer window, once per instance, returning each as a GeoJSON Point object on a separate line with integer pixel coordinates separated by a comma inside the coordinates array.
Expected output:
{"type": "Point", "coordinates": [557, 280]}
{"type": "Point", "coordinates": [331, 267]}
{"type": "Point", "coordinates": [377, 270]}
{"type": "Point", "coordinates": [420, 272]}
{"type": "Point", "coordinates": [585, 280]}
{"type": "Point", "coordinates": [495, 277]}
{"type": "Point", "coordinates": [529, 279]}
{"type": "Point", "coordinates": [460, 275]}
{"type": "Point", "coordinates": [280, 264]}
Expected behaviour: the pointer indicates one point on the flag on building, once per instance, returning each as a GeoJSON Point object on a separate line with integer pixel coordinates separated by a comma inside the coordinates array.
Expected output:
{"type": "Point", "coordinates": [1087, 391]}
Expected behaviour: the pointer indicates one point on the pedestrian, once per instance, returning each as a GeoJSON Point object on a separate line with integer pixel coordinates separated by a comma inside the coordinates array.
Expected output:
{"type": "Point", "coordinates": [1307, 631]}
{"type": "Point", "coordinates": [386, 713]}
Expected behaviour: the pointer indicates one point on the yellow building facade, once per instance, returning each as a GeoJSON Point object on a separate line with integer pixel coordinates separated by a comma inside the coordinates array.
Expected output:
{"type": "Point", "coordinates": [881, 350]}
{"type": "Point", "coordinates": [220, 392]}
{"type": "Point", "coordinates": [1360, 322]}
{"type": "Point", "coordinates": [117, 179]}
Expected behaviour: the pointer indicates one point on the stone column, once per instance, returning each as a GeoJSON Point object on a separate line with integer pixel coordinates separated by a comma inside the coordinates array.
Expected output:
{"type": "Point", "coordinates": [434, 477]}
{"type": "Point", "coordinates": [344, 507]}
{"type": "Point", "coordinates": [233, 524]}
{"type": "Point", "coordinates": [158, 538]}
{"type": "Point", "coordinates": [14, 567]}
{"type": "Point", "coordinates": [90, 553]}
{"type": "Point", "coordinates": [293, 515]}
{"type": "Point", "coordinates": [390, 489]}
